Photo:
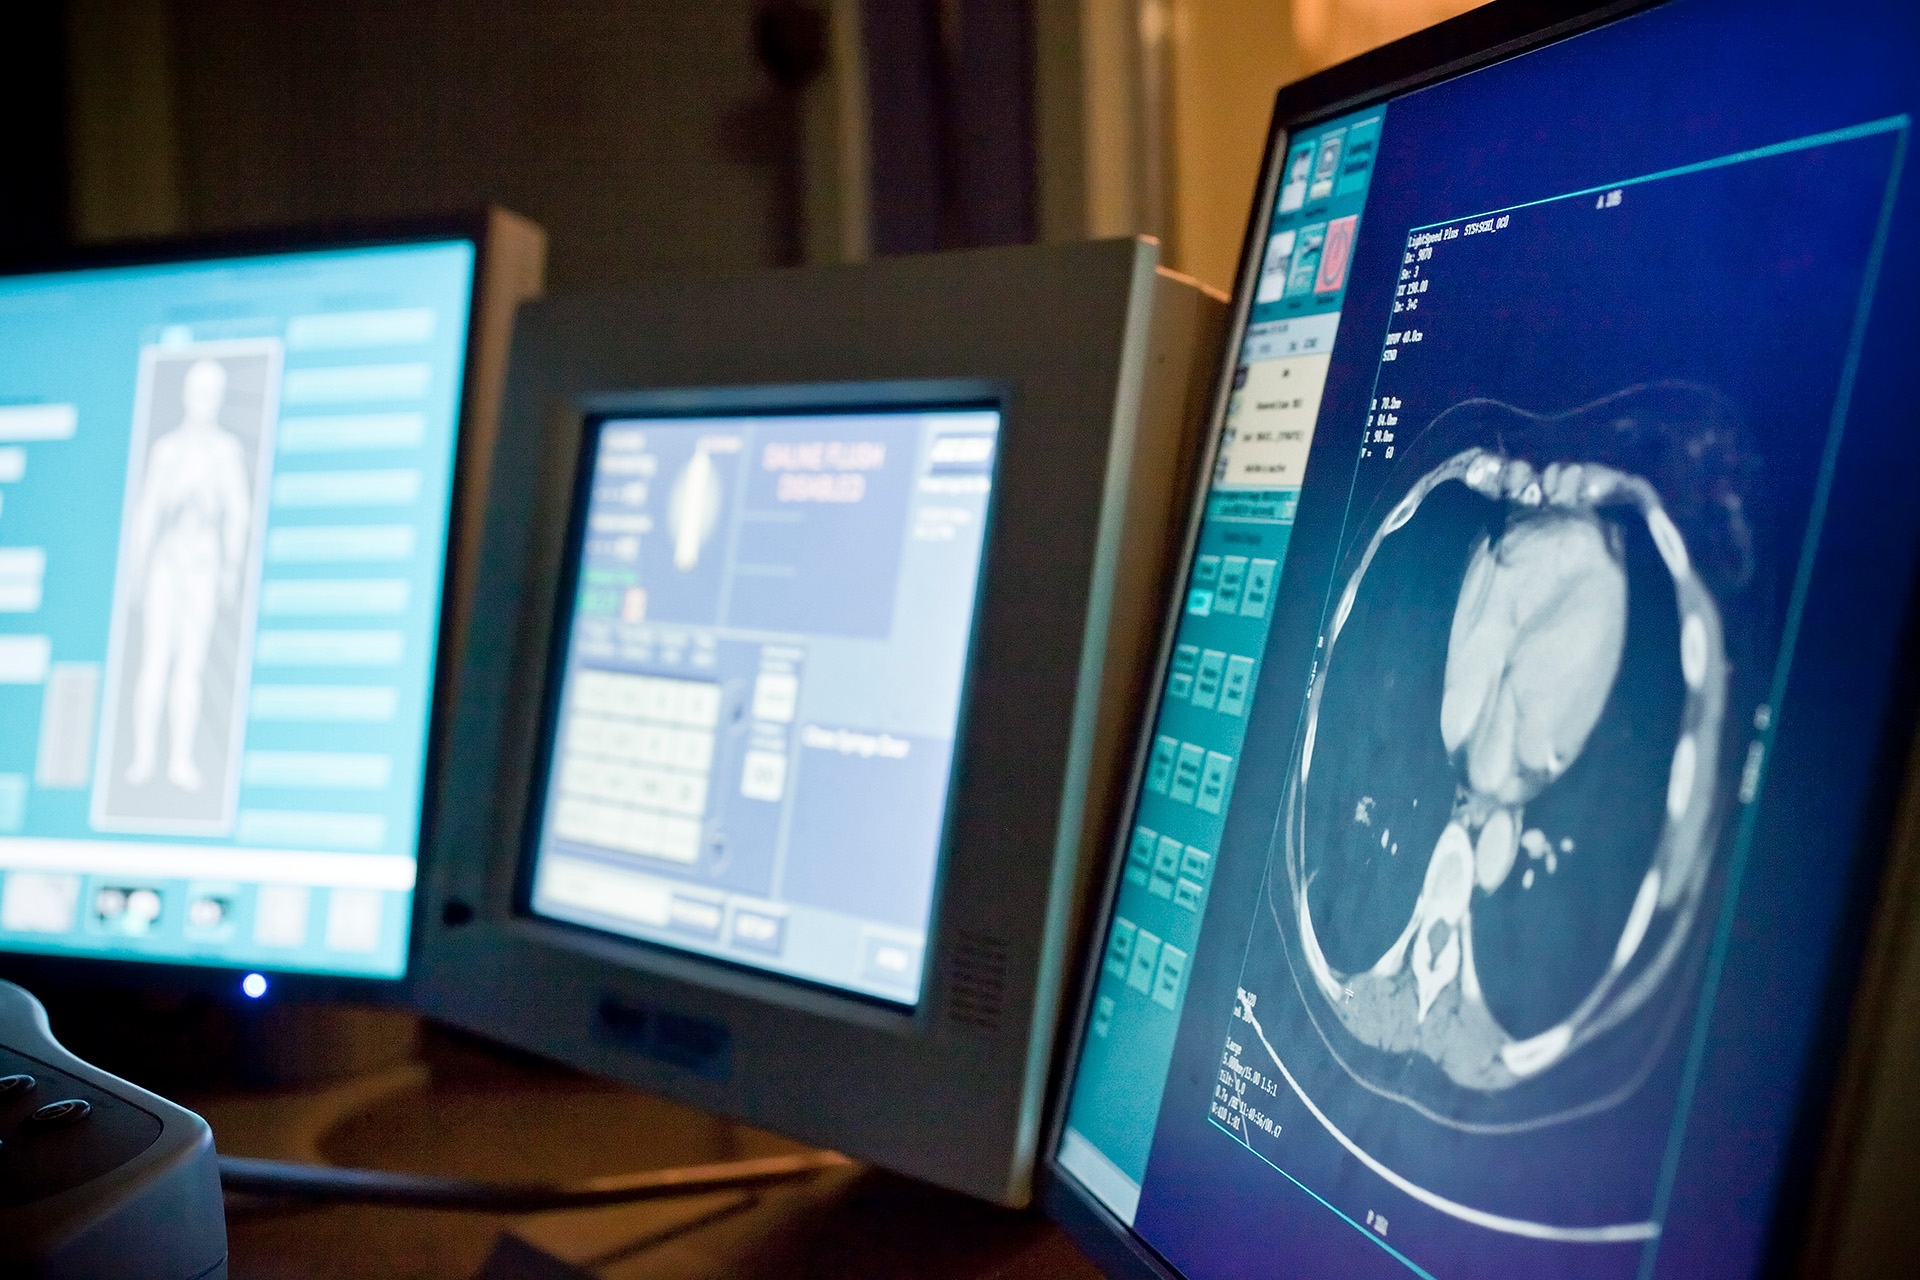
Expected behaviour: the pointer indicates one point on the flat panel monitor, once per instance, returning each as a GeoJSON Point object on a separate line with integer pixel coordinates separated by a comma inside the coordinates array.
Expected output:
{"type": "Point", "coordinates": [1505, 840]}
{"type": "Point", "coordinates": [796, 706]}
{"type": "Point", "coordinates": [228, 485]}
{"type": "Point", "coordinates": [767, 621]}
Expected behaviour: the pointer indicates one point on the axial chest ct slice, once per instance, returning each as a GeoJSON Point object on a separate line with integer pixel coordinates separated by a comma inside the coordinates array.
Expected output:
{"type": "Point", "coordinates": [1498, 826]}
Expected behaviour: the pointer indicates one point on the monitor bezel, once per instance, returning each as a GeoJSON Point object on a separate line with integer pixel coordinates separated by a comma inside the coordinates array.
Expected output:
{"type": "Point", "coordinates": [954, 1094]}
{"type": "Point", "coordinates": [763, 401]}
{"type": "Point", "coordinates": [45, 972]}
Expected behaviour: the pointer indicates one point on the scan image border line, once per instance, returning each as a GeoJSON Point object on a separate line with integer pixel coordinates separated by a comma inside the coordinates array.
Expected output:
{"type": "Point", "coordinates": [1402, 1258]}
{"type": "Point", "coordinates": [1870, 128]}
{"type": "Point", "coordinates": [1796, 607]}
{"type": "Point", "coordinates": [1649, 1233]}
{"type": "Point", "coordinates": [1887, 124]}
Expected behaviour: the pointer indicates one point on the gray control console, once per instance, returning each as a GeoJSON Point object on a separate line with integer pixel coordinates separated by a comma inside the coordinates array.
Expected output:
{"type": "Point", "coordinates": [98, 1178]}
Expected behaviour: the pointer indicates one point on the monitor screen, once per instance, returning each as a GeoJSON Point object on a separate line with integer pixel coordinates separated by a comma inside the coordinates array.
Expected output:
{"type": "Point", "coordinates": [759, 686]}
{"type": "Point", "coordinates": [1496, 825]}
{"type": "Point", "coordinates": [225, 489]}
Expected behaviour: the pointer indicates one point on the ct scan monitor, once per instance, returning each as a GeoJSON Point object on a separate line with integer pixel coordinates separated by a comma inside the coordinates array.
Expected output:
{"type": "Point", "coordinates": [759, 685]}
{"type": "Point", "coordinates": [227, 488]}
{"type": "Point", "coordinates": [796, 708]}
{"type": "Point", "coordinates": [1504, 845]}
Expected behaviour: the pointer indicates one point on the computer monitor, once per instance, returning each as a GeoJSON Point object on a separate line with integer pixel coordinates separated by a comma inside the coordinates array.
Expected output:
{"type": "Point", "coordinates": [231, 478]}
{"type": "Point", "coordinates": [766, 619]}
{"type": "Point", "coordinates": [816, 612]}
{"type": "Point", "coordinates": [1501, 857]}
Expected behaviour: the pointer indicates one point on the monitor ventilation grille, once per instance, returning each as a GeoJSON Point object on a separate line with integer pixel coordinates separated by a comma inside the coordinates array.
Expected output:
{"type": "Point", "coordinates": [976, 980]}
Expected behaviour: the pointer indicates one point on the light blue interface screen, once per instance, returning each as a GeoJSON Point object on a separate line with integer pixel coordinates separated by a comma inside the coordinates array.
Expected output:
{"type": "Point", "coordinates": [762, 684]}
{"type": "Point", "coordinates": [224, 498]}
{"type": "Point", "coordinates": [1491, 858]}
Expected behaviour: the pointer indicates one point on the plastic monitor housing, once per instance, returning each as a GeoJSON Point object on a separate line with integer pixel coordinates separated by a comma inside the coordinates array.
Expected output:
{"type": "Point", "coordinates": [1844, 1204]}
{"type": "Point", "coordinates": [509, 267]}
{"type": "Point", "coordinates": [1090, 354]}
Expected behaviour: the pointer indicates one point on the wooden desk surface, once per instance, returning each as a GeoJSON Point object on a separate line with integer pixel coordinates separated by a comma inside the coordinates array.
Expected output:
{"type": "Point", "coordinates": [477, 1112]}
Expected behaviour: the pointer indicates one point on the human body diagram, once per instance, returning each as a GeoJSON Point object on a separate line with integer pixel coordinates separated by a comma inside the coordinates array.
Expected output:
{"type": "Point", "coordinates": [185, 555]}
{"type": "Point", "coordinates": [178, 659]}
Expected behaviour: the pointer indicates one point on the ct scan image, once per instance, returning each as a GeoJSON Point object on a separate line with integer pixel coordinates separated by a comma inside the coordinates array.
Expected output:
{"type": "Point", "coordinates": [1490, 879]}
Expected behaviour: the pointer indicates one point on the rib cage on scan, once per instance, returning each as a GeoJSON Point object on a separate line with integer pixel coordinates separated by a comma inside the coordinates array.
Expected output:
{"type": "Point", "coordinates": [1501, 824]}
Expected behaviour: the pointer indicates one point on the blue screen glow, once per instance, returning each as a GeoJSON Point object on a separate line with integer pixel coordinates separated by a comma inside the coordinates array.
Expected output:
{"type": "Point", "coordinates": [224, 498]}
{"type": "Point", "coordinates": [762, 687]}
{"type": "Point", "coordinates": [1478, 907]}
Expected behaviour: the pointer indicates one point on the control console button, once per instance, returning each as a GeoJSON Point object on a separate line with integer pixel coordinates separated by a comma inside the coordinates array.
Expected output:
{"type": "Point", "coordinates": [13, 1086]}
{"type": "Point", "coordinates": [57, 1115]}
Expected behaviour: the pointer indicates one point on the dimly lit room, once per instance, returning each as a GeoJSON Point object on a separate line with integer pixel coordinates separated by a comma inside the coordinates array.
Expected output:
{"type": "Point", "coordinates": [970, 639]}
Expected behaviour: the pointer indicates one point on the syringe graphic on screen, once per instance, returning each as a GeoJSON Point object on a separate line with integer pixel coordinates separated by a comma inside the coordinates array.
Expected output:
{"type": "Point", "coordinates": [693, 508]}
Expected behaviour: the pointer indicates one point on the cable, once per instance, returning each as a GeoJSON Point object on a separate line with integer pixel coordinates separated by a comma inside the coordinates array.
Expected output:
{"type": "Point", "coordinates": [431, 1191]}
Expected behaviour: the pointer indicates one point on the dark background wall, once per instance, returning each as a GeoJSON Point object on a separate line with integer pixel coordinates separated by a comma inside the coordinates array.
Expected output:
{"type": "Point", "coordinates": [33, 145]}
{"type": "Point", "coordinates": [647, 136]}
{"type": "Point", "coordinates": [950, 83]}
{"type": "Point", "coordinates": [630, 131]}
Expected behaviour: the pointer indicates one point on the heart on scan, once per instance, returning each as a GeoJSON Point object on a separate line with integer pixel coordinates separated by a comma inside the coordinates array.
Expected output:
{"type": "Point", "coordinates": [1533, 653]}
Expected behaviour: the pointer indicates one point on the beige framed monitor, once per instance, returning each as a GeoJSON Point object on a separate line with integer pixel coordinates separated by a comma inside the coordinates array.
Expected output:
{"type": "Point", "coordinates": [815, 609]}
